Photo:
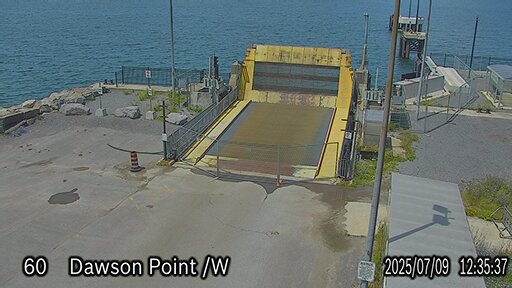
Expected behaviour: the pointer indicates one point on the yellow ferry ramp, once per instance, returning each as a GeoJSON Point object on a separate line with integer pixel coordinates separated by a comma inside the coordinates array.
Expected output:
{"type": "Point", "coordinates": [201, 147]}
{"type": "Point", "coordinates": [328, 164]}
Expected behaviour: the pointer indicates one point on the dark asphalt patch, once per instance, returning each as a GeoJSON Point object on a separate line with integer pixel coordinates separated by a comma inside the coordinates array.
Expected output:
{"type": "Point", "coordinates": [64, 197]}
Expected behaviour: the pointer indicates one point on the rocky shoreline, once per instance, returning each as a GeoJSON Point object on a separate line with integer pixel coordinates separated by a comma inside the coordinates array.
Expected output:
{"type": "Point", "coordinates": [69, 102]}
{"type": "Point", "coordinates": [55, 100]}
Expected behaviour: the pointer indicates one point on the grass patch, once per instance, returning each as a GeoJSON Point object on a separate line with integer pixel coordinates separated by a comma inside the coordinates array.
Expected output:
{"type": "Point", "coordinates": [195, 108]}
{"type": "Point", "coordinates": [126, 92]}
{"type": "Point", "coordinates": [483, 249]}
{"type": "Point", "coordinates": [393, 126]}
{"type": "Point", "coordinates": [407, 139]}
{"type": "Point", "coordinates": [142, 96]}
{"type": "Point", "coordinates": [482, 197]}
{"type": "Point", "coordinates": [379, 252]}
{"type": "Point", "coordinates": [373, 148]}
{"type": "Point", "coordinates": [364, 174]}
{"type": "Point", "coordinates": [175, 99]}
{"type": "Point", "coordinates": [157, 107]}
{"type": "Point", "coordinates": [365, 169]}
{"type": "Point", "coordinates": [432, 101]}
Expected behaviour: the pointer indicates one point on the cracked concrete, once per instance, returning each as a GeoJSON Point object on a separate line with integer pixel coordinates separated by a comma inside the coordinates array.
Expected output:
{"type": "Point", "coordinates": [292, 237]}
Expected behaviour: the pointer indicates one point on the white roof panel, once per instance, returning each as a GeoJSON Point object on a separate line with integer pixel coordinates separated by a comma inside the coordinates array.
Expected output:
{"type": "Point", "coordinates": [427, 218]}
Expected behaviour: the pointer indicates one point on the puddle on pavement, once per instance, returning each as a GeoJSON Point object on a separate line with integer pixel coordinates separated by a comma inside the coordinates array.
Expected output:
{"type": "Point", "coordinates": [64, 197]}
{"type": "Point", "coordinates": [328, 226]}
{"type": "Point", "coordinates": [80, 168]}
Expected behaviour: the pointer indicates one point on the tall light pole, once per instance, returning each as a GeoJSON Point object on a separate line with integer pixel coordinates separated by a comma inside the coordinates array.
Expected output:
{"type": "Point", "coordinates": [165, 138]}
{"type": "Point", "coordinates": [365, 47]}
{"type": "Point", "coordinates": [417, 15]}
{"type": "Point", "coordinates": [171, 36]}
{"type": "Point", "coordinates": [382, 143]}
{"type": "Point", "coordinates": [423, 59]}
{"type": "Point", "coordinates": [473, 48]}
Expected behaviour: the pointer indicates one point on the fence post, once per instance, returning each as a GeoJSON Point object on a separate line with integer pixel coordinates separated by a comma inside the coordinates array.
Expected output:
{"type": "Point", "coordinates": [425, 120]}
{"type": "Point", "coordinates": [164, 130]}
{"type": "Point", "coordinates": [337, 173]}
{"type": "Point", "coordinates": [278, 166]}
{"type": "Point", "coordinates": [448, 107]}
{"type": "Point", "coordinates": [218, 152]}
{"type": "Point", "coordinates": [115, 74]}
{"type": "Point", "coordinates": [122, 74]}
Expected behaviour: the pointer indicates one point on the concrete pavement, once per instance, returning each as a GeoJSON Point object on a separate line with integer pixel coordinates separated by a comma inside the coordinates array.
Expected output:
{"type": "Point", "coordinates": [294, 237]}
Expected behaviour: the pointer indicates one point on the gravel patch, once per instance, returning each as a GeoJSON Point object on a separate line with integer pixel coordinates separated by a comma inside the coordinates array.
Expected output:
{"type": "Point", "coordinates": [465, 149]}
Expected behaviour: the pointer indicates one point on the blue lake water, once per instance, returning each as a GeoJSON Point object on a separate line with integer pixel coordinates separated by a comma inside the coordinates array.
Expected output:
{"type": "Point", "coordinates": [50, 45]}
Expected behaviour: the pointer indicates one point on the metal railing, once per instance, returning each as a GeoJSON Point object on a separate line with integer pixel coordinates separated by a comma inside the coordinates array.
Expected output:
{"type": "Point", "coordinates": [374, 95]}
{"type": "Point", "coordinates": [183, 138]}
{"type": "Point", "coordinates": [505, 220]}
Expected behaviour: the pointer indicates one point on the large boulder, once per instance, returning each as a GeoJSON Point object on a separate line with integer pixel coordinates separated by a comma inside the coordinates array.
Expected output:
{"type": "Point", "coordinates": [74, 109]}
{"type": "Point", "coordinates": [90, 94]}
{"type": "Point", "coordinates": [49, 103]}
{"type": "Point", "coordinates": [65, 97]}
{"type": "Point", "coordinates": [77, 95]}
{"type": "Point", "coordinates": [177, 118]}
{"type": "Point", "coordinates": [74, 98]}
{"type": "Point", "coordinates": [45, 108]}
{"type": "Point", "coordinates": [29, 103]}
{"type": "Point", "coordinates": [55, 100]}
{"type": "Point", "coordinates": [132, 112]}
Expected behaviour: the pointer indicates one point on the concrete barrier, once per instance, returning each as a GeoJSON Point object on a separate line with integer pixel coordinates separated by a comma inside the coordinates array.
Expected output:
{"type": "Point", "coordinates": [10, 120]}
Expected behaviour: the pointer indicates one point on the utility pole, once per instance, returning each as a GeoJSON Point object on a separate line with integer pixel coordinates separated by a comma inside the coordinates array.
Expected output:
{"type": "Point", "coordinates": [171, 35]}
{"type": "Point", "coordinates": [417, 15]}
{"type": "Point", "coordinates": [473, 48]}
{"type": "Point", "coordinates": [423, 58]}
{"type": "Point", "coordinates": [382, 143]}
{"type": "Point", "coordinates": [365, 47]}
{"type": "Point", "coordinates": [410, 6]}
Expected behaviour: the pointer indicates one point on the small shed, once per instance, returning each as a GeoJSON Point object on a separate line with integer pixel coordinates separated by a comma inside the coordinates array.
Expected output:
{"type": "Point", "coordinates": [500, 78]}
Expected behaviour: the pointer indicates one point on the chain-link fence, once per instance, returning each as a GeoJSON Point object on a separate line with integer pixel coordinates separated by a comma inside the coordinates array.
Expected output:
{"type": "Point", "coordinates": [160, 76]}
{"type": "Point", "coordinates": [276, 164]}
{"type": "Point", "coordinates": [479, 62]}
{"type": "Point", "coordinates": [439, 110]}
{"type": "Point", "coordinates": [181, 140]}
{"type": "Point", "coordinates": [157, 76]}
